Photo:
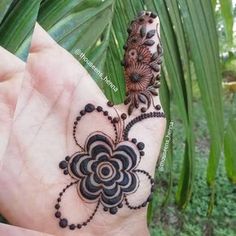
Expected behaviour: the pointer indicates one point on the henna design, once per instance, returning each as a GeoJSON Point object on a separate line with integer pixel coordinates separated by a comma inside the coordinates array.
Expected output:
{"type": "Point", "coordinates": [142, 68]}
{"type": "Point", "coordinates": [105, 171]}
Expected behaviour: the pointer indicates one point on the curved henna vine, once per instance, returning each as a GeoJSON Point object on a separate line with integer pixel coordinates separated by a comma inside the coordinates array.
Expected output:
{"type": "Point", "coordinates": [105, 171]}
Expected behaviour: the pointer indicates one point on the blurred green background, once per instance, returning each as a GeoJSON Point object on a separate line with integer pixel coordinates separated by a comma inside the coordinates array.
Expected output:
{"type": "Point", "coordinates": [196, 191]}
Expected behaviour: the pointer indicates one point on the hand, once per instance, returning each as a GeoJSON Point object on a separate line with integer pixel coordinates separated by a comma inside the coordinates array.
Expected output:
{"type": "Point", "coordinates": [55, 89]}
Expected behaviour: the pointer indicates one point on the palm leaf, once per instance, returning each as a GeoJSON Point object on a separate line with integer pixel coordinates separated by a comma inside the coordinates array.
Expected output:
{"type": "Point", "coordinates": [229, 145]}
{"type": "Point", "coordinates": [4, 5]}
{"type": "Point", "coordinates": [228, 18]}
{"type": "Point", "coordinates": [17, 25]}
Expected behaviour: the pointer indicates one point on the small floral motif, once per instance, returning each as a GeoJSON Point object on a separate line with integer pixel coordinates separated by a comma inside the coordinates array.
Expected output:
{"type": "Point", "coordinates": [140, 54]}
{"type": "Point", "coordinates": [105, 171]}
{"type": "Point", "coordinates": [138, 77]}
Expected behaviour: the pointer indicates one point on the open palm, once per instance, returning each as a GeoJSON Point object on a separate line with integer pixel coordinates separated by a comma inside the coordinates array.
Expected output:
{"type": "Point", "coordinates": [55, 89]}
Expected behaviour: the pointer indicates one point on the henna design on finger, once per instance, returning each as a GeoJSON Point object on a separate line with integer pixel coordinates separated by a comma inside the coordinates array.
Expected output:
{"type": "Point", "coordinates": [105, 170]}
{"type": "Point", "coordinates": [142, 67]}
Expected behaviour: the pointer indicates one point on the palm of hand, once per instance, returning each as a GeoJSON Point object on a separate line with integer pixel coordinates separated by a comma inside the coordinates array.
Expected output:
{"type": "Point", "coordinates": [56, 88]}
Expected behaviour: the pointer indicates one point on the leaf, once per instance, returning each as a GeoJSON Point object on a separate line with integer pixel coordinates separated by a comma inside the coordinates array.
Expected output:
{"type": "Point", "coordinates": [229, 145]}
{"type": "Point", "coordinates": [197, 21]}
{"type": "Point", "coordinates": [230, 150]}
{"type": "Point", "coordinates": [228, 17]}
{"type": "Point", "coordinates": [174, 70]}
{"type": "Point", "coordinates": [165, 101]}
{"type": "Point", "coordinates": [17, 25]}
{"type": "Point", "coordinates": [187, 174]}
{"type": "Point", "coordinates": [4, 5]}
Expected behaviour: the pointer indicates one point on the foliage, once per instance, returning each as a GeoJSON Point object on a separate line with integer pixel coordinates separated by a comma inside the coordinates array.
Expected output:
{"type": "Point", "coordinates": [168, 220]}
{"type": "Point", "coordinates": [18, 20]}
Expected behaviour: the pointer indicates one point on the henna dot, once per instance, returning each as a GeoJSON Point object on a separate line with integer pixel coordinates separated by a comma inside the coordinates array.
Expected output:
{"type": "Point", "coordinates": [141, 146]}
{"type": "Point", "coordinates": [79, 226]}
{"type": "Point", "coordinates": [105, 113]}
{"type": "Point", "coordinates": [143, 109]}
{"type": "Point", "coordinates": [116, 120]}
{"type": "Point", "coordinates": [58, 214]}
{"type": "Point", "coordinates": [150, 21]}
{"type": "Point", "coordinates": [129, 30]}
{"type": "Point", "coordinates": [113, 210]}
{"type": "Point", "coordinates": [109, 118]}
{"type": "Point", "coordinates": [123, 116]}
{"type": "Point", "coordinates": [158, 107]}
{"type": "Point", "coordinates": [75, 123]}
{"type": "Point", "coordinates": [144, 204]}
{"type": "Point", "coordinates": [153, 15]}
{"type": "Point", "coordinates": [141, 19]}
{"type": "Point", "coordinates": [57, 206]}
{"type": "Point", "coordinates": [60, 194]}
{"type": "Point", "coordinates": [135, 77]}
{"type": "Point", "coordinates": [142, 153]}
{"type": "Point", "coordinates": [82, 113]}
{"type": "Point", "coordinates": [78, 118]}
{"type": "Point", "coordinates": [65, 172]}
{"type": "Point", "coordinates": [105, 209]}
{"type": "Point", "coordinates": [84, 224]}
{"type": "Point", "coordinates": [120, 205]}
{"type": "Point", "coordinates": [63, 164]}
{"type": "Point", "coordinates": [67, 158]}
{"type": "Point", "coordinates": [59, 199]}
{"type": "Point", "coordinates": [72, 227]}
{"type": "Point", "coordinates": [63, 223]}
{"type": "Point", "coordinates": [110, 104]}
{"type": "Point", "coordinates": [99, 109]}
{"type": "Point", "coordinates": [89, 107]}
{"type": "Point", "coordinates": [134, 140]}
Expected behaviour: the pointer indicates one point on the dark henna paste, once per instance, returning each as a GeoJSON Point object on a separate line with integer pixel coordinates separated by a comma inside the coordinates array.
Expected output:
{"type": "Point", "coordinates": [142, 68]}
{"type": "Point", "coordinates": [106, 170]}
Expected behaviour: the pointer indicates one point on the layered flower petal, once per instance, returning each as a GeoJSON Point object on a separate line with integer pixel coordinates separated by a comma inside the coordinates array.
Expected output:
{"type": "Point", "coordinates": [105, 171]}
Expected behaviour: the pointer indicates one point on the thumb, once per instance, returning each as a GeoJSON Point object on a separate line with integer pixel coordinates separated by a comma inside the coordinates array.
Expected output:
{"type": "Point", "coordinates": [142, 64]}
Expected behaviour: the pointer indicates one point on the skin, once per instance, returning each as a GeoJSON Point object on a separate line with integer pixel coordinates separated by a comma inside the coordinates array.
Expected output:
{"type": "Point", "coordinates": [39, 133]}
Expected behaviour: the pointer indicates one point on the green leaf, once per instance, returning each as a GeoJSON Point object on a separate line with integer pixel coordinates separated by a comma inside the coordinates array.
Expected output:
{"type": "Point", "coordinates": [84, 26]}
{"type": "Point", "coordinates": [4, 5]}
{"type": "Point", "coordinates": [229, 145]}
{"type": "Point", "coordinates": [186, 181]}
{"type": "Point", "coordinates": [230, 150]}
{"type": "Point", "coordinates": [17, 26]}
{"type": "Point", "coordinates": [197, 22]}
{"type": "Point", "coordinates": [228, 17]}
{"type": "Point", "coordinates": [177, 67]}
{"type": "Point", "coordinates": [166, 102]}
